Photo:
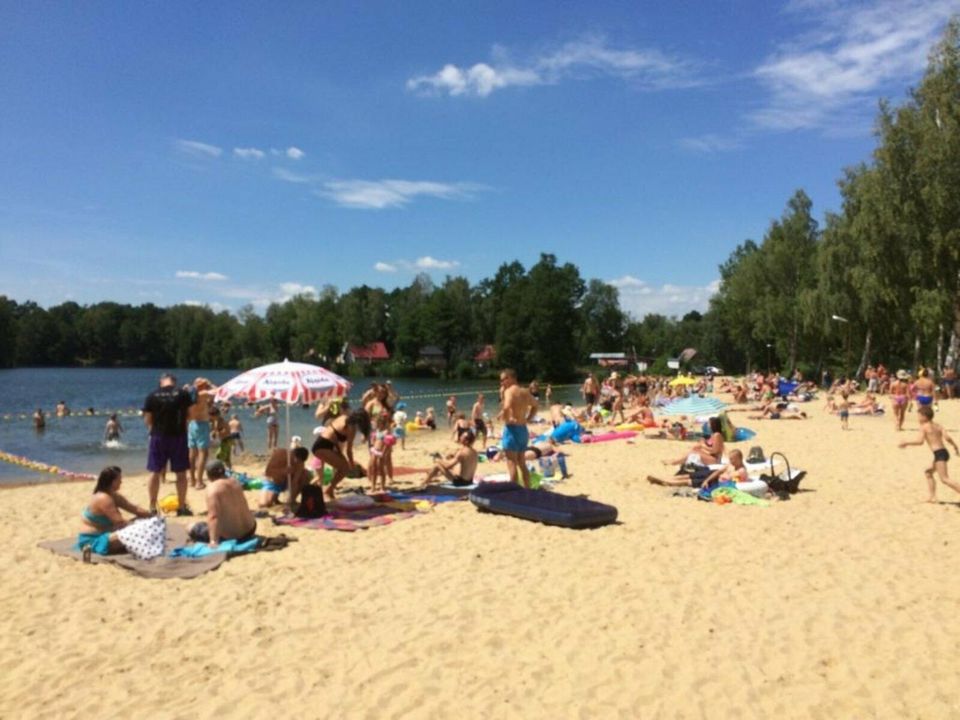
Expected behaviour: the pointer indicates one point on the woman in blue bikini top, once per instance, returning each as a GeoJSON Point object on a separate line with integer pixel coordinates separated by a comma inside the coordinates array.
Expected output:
{"type": "Point", "coordinates": [102, 518]}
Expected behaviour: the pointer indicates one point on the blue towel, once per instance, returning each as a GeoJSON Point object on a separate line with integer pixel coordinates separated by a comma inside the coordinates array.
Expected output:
{"type": "Point", "coordinates": [199, 550]}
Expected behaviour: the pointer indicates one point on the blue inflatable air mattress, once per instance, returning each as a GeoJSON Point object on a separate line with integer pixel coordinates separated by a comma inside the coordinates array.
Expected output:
{"type": "Point", "coordinates": [543, 506]}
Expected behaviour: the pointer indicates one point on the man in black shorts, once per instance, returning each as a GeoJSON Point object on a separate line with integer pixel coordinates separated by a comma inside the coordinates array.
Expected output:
{"type": "Point", "coordinates": [165, 415]}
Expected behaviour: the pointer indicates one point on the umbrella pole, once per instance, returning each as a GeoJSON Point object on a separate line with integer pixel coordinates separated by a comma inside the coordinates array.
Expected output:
{"type": "Point", "coordinates": [290, 497]}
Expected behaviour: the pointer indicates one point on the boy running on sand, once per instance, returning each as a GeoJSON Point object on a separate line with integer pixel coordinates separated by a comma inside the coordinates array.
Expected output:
{"type": "Point", "coordinates": [934, 435]}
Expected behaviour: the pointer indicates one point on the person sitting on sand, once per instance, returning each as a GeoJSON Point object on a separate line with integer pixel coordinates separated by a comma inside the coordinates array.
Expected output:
{"type": "Point", "coordinates": [734, 471]}
{"type": "Point", "coordinates": [935, 436]}
{"type": "Point", "coordinates": [334, 445]}
{"type": "Point", "coordinates": [465, 457]}
{"type": "Point", "coordinates": [710, 451]}
{"type": "Point", "coordinates": [285, 469]}
{"type": "Point", "coordinates": [228, 516]}
{"type": "Point", "coordinates": [101, 516]}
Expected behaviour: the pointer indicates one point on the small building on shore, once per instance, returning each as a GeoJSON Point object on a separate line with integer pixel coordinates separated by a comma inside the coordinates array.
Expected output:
{"type": "Point", "coordinates": [485, 357]}
{"type": "Point", "coordinates": [365, 354]}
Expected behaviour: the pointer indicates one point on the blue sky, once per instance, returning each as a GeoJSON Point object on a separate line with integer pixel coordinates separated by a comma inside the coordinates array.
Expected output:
{"type": "Point", "coordinates": [227, 153]}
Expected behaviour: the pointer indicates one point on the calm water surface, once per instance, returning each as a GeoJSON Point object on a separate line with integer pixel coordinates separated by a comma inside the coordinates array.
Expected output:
{"type": "Point", "coordinates": [75, 443]}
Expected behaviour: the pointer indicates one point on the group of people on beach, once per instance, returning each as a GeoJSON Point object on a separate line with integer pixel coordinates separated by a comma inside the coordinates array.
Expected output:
{"type": "Point", "coordinates": [181, 421]}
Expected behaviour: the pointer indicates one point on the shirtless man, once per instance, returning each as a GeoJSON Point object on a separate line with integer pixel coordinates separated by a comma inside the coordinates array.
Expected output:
{"type": "Point", "coordinates": [198, 430]}
{"type": "Point", "coordinates": [934, 435]}
{"type": "Point", "coordinates": [228, 516]}
{"type": "Point", "coordinates": [590, 391]}
{"type": "Point", "coordinates": [465, 457]}
{"type": "Point", "coordinates": [519, 407]}
{"type": "Point", "coordinates": [479, 425]}
{"type": "Point", "coordinates": [286, 468]}
{"type": "Point", "coordinates": [734, 472]}
{"type": "Point", "coordinates": [451, 410]}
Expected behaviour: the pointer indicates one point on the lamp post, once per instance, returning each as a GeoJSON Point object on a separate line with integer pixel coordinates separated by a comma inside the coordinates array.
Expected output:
{"type": "Point", "coordinates": [769, 345]}
{"type": "Point", "coordinates": [846, 360]}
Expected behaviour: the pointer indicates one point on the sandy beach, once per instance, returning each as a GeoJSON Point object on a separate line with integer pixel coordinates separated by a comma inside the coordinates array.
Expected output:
{"type": "Point", "coordinates": [841, 602]}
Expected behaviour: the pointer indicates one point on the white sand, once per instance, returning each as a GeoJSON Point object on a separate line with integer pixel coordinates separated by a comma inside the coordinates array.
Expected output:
{"type": "Point", "coordinates": [839, 603]}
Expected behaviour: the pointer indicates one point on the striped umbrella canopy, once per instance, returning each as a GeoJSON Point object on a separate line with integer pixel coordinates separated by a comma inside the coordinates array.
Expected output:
{"type": "Point", "coordinates": [289, 382]}
{"type": "Point", "coordinates": [694, 406]}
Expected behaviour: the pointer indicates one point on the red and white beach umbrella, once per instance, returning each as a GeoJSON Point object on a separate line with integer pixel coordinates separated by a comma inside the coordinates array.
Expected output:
{"type": "Point", "coordinates": [289, 382]}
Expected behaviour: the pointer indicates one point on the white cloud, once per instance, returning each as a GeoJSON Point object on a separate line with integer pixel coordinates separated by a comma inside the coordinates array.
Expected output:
{"type": "Point", "coordinates": [709, 143]}
{"type": "Point", "coordinates": [290, 289]}
{"type": "Point", "coordinates": [291, 177]}
{"type": "Point", "coordinates": [429, 263]}
{"type": "Point", "coordinates": [194, 275]}
{"type": "Point", "coordinates": [385, 267]}
{"type": "Point", "coordinates": [639, 298]}
{"type": "Point", "coordinates": [294, 153]}
{"type": "Point", "coordinates": [380, 194]}
{"type": "Point", "coordinates": [588, 56]}
{"type": "Point", "coordinates": [215, 306]}
{"type": "Point", "coordinates": [834, 74]}
{"type": "Point", "coordinates": [193, 147]}
{"type": "Point", "coordinates": [250, 153]}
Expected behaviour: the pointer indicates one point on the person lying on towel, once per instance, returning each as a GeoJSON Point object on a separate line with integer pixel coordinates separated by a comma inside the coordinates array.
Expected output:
{"type": "Point", "coordinates": [102, 518]}
{"type": "Point", "coordinates": [733, 472]}
{"type": "Point", "coordinates": [228, 516]}
{"type": "Point", "coordinates": [465, 457]}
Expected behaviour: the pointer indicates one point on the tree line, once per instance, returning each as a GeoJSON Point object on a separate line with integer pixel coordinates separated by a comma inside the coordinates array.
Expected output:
{"type": "Point", "coordinates": [880, 281]}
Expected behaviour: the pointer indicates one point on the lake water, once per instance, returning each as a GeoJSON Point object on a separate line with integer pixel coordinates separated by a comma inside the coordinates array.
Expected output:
{"type": "Point", "coordinates": [75, 443]}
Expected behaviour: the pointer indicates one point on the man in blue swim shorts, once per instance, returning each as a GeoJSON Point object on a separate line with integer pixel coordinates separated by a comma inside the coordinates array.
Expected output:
{"type": "Point", "coordinates": [518, 407]}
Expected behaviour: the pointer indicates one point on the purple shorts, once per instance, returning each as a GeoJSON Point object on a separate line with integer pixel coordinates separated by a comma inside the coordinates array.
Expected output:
{"type": "Point", "coordinates": [168, 447]}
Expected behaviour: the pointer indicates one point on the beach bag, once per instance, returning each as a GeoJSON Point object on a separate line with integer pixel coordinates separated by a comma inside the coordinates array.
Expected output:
{"type": "Point", "coordinates": [312, 504]}
{"type": "Point", "coordinates": [145, 539]}
{"type": "Point", "coordinates": [756, 455]}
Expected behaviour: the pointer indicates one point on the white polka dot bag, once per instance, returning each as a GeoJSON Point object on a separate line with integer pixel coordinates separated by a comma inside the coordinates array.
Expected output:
{"type": "Point", "coordinates": [145, 539]}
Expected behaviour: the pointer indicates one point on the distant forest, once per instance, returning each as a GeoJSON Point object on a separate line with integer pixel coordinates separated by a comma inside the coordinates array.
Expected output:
{"type": "Point", "coordinates": [879, 282]}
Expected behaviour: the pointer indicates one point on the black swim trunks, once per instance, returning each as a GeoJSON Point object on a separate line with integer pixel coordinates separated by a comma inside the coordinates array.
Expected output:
{"type": "Point", "coordinates": [591, 398]}
{"type": "Point", "coordinates": [480, 426]}
{"type": "Point", "coordinates": [941, 455]}
{"type": "Point", "coordinates": [461, 482]}
{"type": "Point", "coordinates": [322, 443]}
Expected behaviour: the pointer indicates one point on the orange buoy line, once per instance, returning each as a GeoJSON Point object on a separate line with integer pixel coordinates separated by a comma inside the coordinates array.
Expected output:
{"type": "Point", "coordinates": [43, 467]}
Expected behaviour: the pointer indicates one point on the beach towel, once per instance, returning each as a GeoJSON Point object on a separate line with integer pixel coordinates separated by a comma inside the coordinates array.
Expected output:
{"type": "Point", "coordinates": [384, 512]}
{"type": "Point", "coordinates": [161, 567]}
{"type": "Point", "coordinates": [229, 547]}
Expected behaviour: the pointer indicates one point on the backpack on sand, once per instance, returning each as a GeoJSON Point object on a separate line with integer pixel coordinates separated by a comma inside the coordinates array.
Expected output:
{"type": "Point", "coordinates": [312, 504]}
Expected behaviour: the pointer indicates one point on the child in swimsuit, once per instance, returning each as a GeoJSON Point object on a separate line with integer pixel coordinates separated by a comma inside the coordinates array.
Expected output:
{"type": "Point", "coordinates": [935, 436]}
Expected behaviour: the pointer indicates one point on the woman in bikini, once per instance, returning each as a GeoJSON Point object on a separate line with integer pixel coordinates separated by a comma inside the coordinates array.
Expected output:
{"type": "Point", "coordinates": [334, 445]}
{"type": "Point", "coordinates": [899, 394]}
{"type": "Point", "coordinates": [710, 451]}
{"type": "Point", "coordinates": [102, 518]}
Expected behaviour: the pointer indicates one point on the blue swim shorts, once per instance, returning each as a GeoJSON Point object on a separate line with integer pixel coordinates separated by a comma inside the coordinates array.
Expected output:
{"type": "Point", "coordinates": [198, 434]}
{"type": "Point", "coordinates": [515, 438]}
{"type": "Point", "coordinates": [924, 400]}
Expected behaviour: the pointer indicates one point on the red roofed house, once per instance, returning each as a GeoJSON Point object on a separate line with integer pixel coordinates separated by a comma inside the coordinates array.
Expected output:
{"type": "Point", "coordinates": [374, 352]}
{"type": "Point", "coordinates": [486, 356]}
